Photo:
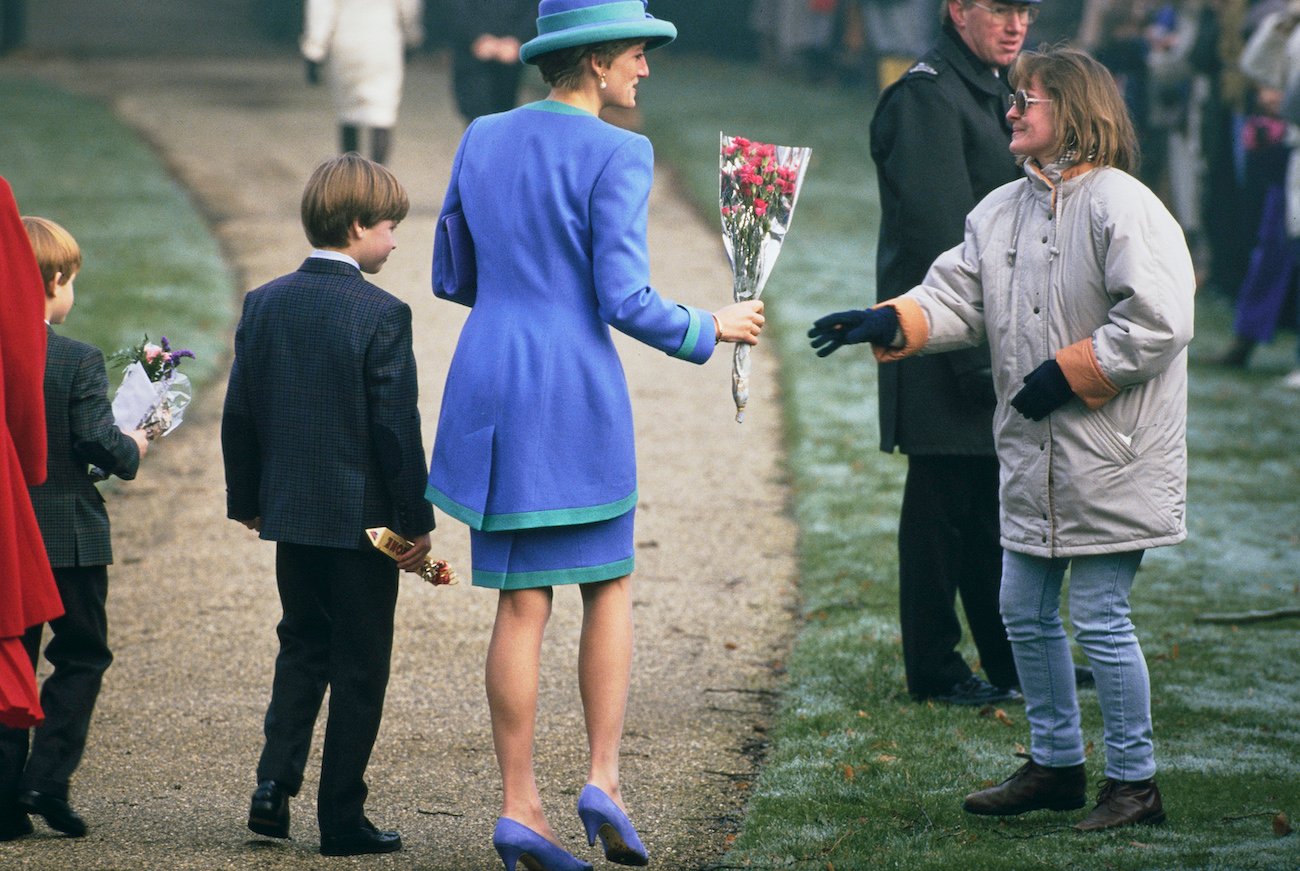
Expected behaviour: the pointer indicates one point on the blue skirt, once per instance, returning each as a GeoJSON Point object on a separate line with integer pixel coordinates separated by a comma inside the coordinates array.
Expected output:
{"type": "Point", "coordinates": [547, 556]}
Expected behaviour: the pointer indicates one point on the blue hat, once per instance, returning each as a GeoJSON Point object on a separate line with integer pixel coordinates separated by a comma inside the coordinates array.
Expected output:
{"type": "Point", "coordinates": [569, 23]}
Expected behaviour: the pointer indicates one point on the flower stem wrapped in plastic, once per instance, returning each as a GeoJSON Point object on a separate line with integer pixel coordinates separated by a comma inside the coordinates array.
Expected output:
{"type": "Point", "coordinates": [759, 187]}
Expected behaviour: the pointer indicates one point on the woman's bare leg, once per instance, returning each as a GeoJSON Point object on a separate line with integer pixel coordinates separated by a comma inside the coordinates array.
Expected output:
{"type": "Point", "coordinates": [604, 672]}
{"type": "Point", "coordinates": [513, 662]}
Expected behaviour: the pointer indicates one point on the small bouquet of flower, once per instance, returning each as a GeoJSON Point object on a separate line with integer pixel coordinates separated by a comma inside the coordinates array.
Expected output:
{"type": "Point", "coordinates": [436, 572]}
{"type": "Point", "coordinates": [153, 395]}
{"type": "Point", "coordinates": [759, 187]}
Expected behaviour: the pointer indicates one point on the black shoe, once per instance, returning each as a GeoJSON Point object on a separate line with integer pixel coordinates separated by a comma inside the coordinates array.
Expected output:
{"type": "Point", "coordinates": [362, 840]}
{"type": "Point", "coordinates": [268, 813]}
{"type": "Point", "coordinates": [1083, 676]}
{"type": "Point", "coordinates": [14, 823]}
{"type": "Point", "coordinates": [975, 691]}
{"type": "Point", "coordinates": [58, 814]}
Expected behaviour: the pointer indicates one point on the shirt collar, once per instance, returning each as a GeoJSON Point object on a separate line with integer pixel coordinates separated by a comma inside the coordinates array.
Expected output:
{"type": "Point", "coordinates": [326, 254]}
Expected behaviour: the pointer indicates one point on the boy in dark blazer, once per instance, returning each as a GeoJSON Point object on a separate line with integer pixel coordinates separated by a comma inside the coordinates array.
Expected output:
{"type": "Point", "coordinates": [321, 438]}
{"type": "Point", "coordinates": [74, 524]}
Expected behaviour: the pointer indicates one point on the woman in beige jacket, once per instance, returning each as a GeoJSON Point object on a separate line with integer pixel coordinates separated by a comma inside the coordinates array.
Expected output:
{"type": "Point", "coordinates": [1081, 282]}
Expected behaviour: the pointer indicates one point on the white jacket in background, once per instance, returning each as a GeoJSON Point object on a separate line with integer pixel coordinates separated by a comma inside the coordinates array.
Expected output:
{"type": "Point", "coordinates": [361, 42]}
{"type": "Point", "coordinates": [1093, 271]}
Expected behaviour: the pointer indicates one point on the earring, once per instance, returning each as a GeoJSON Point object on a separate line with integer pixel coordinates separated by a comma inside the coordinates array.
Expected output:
{"type": "Point", "coordinates": [603, 83]}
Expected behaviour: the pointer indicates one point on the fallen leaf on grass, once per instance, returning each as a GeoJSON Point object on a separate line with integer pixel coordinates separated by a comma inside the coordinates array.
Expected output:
{"type": "Point", "coordinates": [849, 772]}
{"type": "Point", "coordinates": [998, 714]}
{"type": "Point", "coordinates": [886, 758]}
{"type": "Point", "coordinates": [1281, 825]}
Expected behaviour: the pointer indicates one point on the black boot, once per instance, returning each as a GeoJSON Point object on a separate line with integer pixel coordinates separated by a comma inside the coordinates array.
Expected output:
{"type": "Point", "coordinates": [1032, 787]}
{"type": "Point", "coordinates": [381, 142]}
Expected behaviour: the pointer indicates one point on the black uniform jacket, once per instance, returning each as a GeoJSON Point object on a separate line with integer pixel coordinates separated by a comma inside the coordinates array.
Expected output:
{"type": "Point", "coordinates": [939, 139]}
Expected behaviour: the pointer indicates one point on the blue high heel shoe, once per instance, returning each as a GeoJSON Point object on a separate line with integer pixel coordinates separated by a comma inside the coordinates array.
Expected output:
{"type": "Point", "coordinates": [516, 843]}
{"type": "Point", "coordinates": [600, 816]}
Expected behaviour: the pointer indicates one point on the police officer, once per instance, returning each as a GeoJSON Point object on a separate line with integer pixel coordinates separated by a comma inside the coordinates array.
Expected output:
{"type": "Point", "coordinates": [940, 139]}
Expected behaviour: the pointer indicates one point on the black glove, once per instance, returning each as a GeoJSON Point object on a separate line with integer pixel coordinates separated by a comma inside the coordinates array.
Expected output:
{"type": "Point", "coordinates": [875, 325]}
{"type": "Point", "coordinates": [1045, 391]}
{"type": "Point", "coordinates": [313, 72]}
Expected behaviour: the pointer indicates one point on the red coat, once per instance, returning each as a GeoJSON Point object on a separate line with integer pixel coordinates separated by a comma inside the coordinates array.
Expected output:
{"type": "Point", "coordinates": [27, 592]}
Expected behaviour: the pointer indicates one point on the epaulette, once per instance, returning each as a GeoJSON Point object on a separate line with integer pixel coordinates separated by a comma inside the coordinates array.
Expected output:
{"type": "Point", "coordinates": [922, 67]}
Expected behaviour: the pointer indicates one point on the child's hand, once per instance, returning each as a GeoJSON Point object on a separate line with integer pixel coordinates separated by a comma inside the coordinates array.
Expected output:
{"type": "Point", "coordinates": [141, 440]}
{"type": "Point", "coordinates": [412, 559]}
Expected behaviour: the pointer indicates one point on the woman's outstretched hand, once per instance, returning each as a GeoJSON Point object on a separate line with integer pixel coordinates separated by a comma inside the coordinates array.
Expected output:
{"type": "Point", "coordinates": [740, 322]}
{"type": "Point", "coordinates": [875, 325]}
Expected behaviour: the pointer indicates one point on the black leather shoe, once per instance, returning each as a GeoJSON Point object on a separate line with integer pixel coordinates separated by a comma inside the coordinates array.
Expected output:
{"type": "Point", "coordinates": [14, 823]}
{"type": "Point", "coordinates": [361, 841]}
{"type": "Point", "coordinates": [58, 814]}
{"type": "Point", "coordinates": [975, 691]}
{"type": "Point", "coordinates": [1033, 787]}
{"type": "Point", "coordinates": [268, 813]}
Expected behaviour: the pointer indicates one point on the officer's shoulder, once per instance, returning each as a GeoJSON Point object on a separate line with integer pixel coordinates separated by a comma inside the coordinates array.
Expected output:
{"type": "Point", "coordinates": [927, 68]}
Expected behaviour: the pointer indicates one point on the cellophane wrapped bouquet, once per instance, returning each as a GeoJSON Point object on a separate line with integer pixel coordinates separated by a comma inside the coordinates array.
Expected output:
{"type": "Point", "coordinates": [759, 188]}
{"type": "Point", "coordinates": [153, 394]}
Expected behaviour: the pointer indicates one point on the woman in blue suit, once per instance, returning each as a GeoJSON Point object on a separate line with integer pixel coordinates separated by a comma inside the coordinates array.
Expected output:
{"type": "Point", "coordinates": [543, 233]}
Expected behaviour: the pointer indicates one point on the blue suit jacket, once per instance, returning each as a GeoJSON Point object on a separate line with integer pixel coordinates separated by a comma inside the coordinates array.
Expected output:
{"type": "Point", "coordinates": [536, 424]}
{"type": "Point", "coordinates": [321, 431]}
{"type": "Point", "coordinates": [80, 429]}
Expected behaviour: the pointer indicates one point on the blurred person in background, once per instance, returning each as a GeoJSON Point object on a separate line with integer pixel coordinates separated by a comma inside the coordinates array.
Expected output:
{"type": "Point", "coordinates": [485, 67]}
{"type": "Point", "coordinates": [361, 46]}
{"type": "Point", "coordinates": [1272, 58]}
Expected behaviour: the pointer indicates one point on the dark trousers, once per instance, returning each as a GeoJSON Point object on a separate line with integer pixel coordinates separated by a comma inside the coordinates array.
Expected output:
{"type": "Point", "coordinates": [336, 632]}
{"type": "Point", "coordinates": [78, 650]}
{"type": "Point", "coordinates": [948, 543]}
{"type": "Point", "coordinates": [483, 87]}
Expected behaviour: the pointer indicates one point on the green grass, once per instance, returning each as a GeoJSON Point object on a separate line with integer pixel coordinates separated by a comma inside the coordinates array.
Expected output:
{"type": "Point", "coordinates": [859, 777]}
{"type": "Point", "coordinates": [149, 264]}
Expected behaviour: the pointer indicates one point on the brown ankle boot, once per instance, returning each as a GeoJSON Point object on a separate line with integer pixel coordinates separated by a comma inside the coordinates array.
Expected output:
{"type": "Point", "coordinates": [1032, 787]}
{"type": "Point", "coordinates": [1125, 803]}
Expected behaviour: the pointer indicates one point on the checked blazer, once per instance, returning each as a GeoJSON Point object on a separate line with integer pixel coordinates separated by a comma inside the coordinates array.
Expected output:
{"type": "Point", "coordinates": [321, 430]}
{"type": "Point", "coordinates": [80, 430]}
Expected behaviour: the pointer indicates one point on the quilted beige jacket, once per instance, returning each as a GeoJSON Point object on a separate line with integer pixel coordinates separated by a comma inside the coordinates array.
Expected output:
{"type": "Point", "coordinates": [1090, 269]}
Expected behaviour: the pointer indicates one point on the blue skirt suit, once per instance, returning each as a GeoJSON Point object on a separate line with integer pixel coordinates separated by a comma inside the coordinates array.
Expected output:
{"type": "Point", "coordinates": [534, 449]}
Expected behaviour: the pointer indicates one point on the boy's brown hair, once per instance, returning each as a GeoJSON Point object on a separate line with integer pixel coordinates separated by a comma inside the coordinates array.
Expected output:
{"type": "Point", "coordinates": [349, 188]}
{"type": "Point", "coordinates": [57, 253]}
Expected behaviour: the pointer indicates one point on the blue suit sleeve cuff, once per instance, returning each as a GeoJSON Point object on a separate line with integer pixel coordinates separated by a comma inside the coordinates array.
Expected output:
{"type": "Point", "coordinates": [697, 346]}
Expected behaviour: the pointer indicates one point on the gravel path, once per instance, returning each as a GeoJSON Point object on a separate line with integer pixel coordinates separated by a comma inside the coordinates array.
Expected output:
{"type": "Point", "coordinates": [193, 606]}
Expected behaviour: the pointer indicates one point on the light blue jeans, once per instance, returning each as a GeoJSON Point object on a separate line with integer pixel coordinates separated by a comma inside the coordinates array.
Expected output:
{"type": "Point", "coordinates": [1099, 611]}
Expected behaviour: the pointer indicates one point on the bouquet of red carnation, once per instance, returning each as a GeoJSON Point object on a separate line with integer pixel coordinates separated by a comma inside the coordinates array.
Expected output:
{"type": "Point", "coordinates": [759, 187]}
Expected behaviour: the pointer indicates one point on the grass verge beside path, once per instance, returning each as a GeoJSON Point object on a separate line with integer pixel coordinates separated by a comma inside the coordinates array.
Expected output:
{"type": "Point", "coordinates": [858, 776]}
{"type": "Point", "coordinates": [149, 263]}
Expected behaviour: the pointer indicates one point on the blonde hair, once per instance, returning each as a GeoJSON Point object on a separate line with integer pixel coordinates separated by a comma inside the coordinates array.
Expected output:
{"type": "Point", "coordinates": [57, 253]}
{"type": "Point", "coordinates": [1091, 120]}
{"type": "Point", "coordinates": [349, 188]}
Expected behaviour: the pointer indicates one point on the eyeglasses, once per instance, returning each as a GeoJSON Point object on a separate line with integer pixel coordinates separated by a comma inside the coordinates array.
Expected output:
{"type": "Point", "coordinates": [1002, 12]}
{"type": "Point", "coordinates": [1021, 101]}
